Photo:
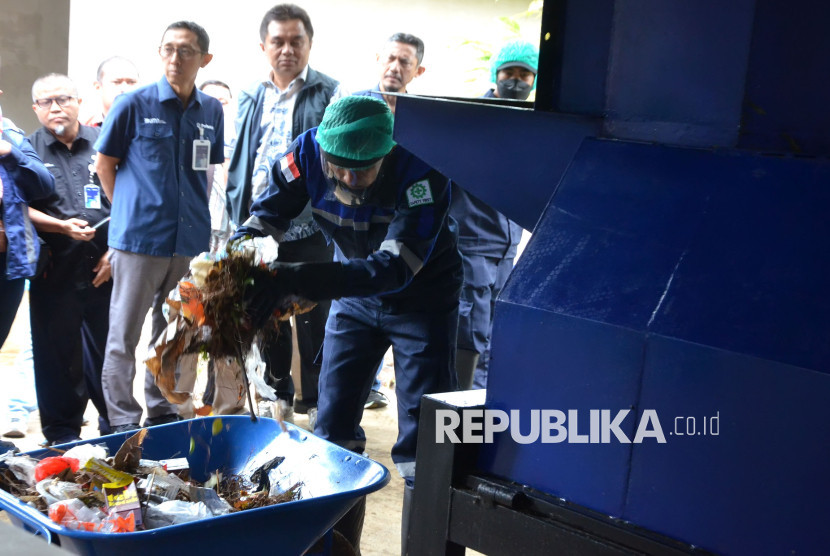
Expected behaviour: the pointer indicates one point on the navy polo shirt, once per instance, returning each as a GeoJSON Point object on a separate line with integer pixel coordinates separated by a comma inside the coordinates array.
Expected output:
{"type": "Point", "coordinates": [160, 204]}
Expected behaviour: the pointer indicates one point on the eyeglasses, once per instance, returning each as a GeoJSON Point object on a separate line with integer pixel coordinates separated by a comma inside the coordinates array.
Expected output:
{"type": "Point", "coordinates": [185, 52]}
{"type": "Point", "coordinates": [62, 101]}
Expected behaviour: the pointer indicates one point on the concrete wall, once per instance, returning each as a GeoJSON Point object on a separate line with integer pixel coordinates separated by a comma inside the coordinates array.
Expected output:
{"type": "Point", "coordinates": [34, 35]}
{"type": "Point", "coordinates": [346, 37]}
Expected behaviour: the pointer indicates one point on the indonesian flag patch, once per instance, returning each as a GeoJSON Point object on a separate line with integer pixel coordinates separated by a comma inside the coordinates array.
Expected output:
{"type": "Point", "coordinates": [419, 193]}
{"type": "Point", "coordinates": [289, 168]}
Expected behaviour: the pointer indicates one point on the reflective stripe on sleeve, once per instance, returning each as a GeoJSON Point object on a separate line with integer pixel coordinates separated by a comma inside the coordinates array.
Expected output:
{"type": "Point", "coordinates": [398, 249]}
{"type": "Point", "coordinates": [264, 227]}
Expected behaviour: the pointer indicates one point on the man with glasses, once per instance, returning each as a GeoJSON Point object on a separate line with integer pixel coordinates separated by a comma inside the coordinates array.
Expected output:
{"type": "Point", "coordinates": [271, 114]}
{"type": "Point", "coordinates": [396, 276]}
{"type": "Point", "coordinates": [153, 154]}
{"type": "Point", "coordinates": [68, 352]}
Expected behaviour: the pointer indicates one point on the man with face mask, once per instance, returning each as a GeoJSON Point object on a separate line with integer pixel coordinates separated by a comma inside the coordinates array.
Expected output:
{"type": "Point", "coordinates": [486, 238]}
{"type": "Point", "coordinates": [396, 276]}
{"type": "Point", "coordinates": [513, 70]}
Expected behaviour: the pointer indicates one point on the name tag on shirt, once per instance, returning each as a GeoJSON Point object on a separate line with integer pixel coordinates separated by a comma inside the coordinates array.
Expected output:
{"type": "Point", "coordinates": [201, 154]}
{"type": "Point", "coordinates": [92, 196]}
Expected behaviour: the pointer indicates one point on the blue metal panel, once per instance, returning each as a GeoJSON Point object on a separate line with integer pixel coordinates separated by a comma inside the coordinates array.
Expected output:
{"type": "Point", "coordinates": [759, 487]}
{"type": "Point", "coordinates": [676, 71]}
{"type": "Point", "coordinates": [698, 277]}
{"type": "Point", "coordinates": [754, 279]}
{"type": "Point", "coordinates": [535, 355]}
{"type": "Point", "coordinates": [612, 236]}
{"type": "Point", "coordinates": [487, 149]}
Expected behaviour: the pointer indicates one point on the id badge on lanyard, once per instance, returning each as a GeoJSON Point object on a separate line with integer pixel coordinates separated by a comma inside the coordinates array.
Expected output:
{"type": "Point", "coordinates": [201, 152]}
{"type": "Point", "coordinates": [92, 192]}
{"type": "Point", "coordinates": [92, 196]}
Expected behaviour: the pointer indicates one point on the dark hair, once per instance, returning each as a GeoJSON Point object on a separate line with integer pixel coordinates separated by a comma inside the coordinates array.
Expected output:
{"type": "Point", "coordinates": [216, 83]}
{"type": "Point", "coordinates": [201, 35]}
{"type": "Point", "coordinates": [102, 66]}
{"type": "Point", "coordinates": [411, 40]}
{"type": "Point", "coordinates": [285, 12]}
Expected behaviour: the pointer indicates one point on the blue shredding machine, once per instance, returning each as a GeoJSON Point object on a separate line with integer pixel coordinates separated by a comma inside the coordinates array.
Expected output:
{"type": "Point", "coordinates": [333, 480]}
{"type": "Point", "coordinates": [674, 172]}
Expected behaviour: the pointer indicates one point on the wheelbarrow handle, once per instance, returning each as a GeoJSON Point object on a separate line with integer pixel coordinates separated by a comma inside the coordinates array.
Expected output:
{"type": "Point", "coordinates": [28, 519]}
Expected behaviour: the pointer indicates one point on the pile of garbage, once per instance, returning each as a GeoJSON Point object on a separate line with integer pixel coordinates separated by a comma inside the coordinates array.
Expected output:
{"type": "Point", "coordinates": [85, 489]}
{"type": "Point", "coordinates": [207, 313]}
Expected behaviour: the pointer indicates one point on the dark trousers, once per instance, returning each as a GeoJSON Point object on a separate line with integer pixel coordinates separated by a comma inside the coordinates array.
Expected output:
{"type": "Point", "coordinates": [484, 278]}
{"type": "Point", "coordinates": [311, 329]}
{"type": "Point", "coordinates": [358, 333]}
{"type": "Point", "coordinates": [69, 337]}
{"type": "Point", "coordinates": [11, 292]}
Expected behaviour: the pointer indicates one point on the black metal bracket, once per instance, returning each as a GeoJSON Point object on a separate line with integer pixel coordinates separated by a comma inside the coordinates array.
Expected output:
{"type": "Point", "coordinates": [455, 507]}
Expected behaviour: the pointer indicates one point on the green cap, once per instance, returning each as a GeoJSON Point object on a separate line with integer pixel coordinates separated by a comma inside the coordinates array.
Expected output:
{"type": "Point", "coordinates": [356, 131]}
{"type": "Point", "coordinates": [515, 53]}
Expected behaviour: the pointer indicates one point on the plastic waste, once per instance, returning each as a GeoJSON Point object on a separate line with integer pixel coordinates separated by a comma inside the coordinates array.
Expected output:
{"type": "Point", "coordinates": [74, 514]}
{"type": "Point", "coordinates": [47, 467]}
{"type": "Point", "coordinates": [54, 490]}
{"type": "Point", "coordinates": [85, 452]}
{"type": "Point", "coordinates": [23, 467]}
{"type": "Point", "coordinates": [173, 512]}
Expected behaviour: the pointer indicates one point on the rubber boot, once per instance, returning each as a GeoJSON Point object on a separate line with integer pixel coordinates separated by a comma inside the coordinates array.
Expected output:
{"type": "Point", "coordinates": [465, 366]}
{"type": "Point", "coordinates": [351, 524]}
{"type": "Point", "coordinates": [407, 505]}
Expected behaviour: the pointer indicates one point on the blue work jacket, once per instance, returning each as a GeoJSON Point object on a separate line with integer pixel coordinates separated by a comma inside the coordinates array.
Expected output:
{"type": "Point", "coordinates": [25, 179]}
{"type": "Point", "coordinates": [401, 245]}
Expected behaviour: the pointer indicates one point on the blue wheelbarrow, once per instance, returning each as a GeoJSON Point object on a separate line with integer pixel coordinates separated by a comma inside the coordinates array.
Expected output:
{"type": "Point", "coordinates": [333, 480]}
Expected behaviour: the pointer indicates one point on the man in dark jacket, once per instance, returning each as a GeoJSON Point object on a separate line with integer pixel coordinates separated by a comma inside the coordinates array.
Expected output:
{"type": "Point", "coordinates": [270, 116]}
{"type": "Point", "coordinates": [69, 351]}
{"type": "Point", "coordinates": [395, 279]}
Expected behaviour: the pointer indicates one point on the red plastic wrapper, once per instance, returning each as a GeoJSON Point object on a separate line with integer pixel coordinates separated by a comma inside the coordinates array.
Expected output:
{"type": "Point", "coordinates": [73, 514]}
{"type": "Point", "coordinates": [47, 467]}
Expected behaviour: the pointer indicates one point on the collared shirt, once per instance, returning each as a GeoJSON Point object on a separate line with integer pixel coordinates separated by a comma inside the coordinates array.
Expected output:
{"type": "Point", "coordinates": [276, 124]}
{"type": "Point", "coordinates": [73, 170]}
{"type": "Point", "coordinates": [277, 128]}
{"type": "Point", "coordinates": [375, 92]}
{"type": "Point", "coordinates": [160, 204]}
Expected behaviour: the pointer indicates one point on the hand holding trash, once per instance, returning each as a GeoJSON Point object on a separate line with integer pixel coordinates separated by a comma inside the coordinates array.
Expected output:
{"type": "Point", "coordinates": [269, 292]}
{"type": "Point", "coordinates": [208, 312]}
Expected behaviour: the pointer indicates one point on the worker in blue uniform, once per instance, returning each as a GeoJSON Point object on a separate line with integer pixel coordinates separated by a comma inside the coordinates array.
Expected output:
{"type": "Point", "coordinates": [397, 272]}
{"type": "Point", "coordinates": [487, 239]}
